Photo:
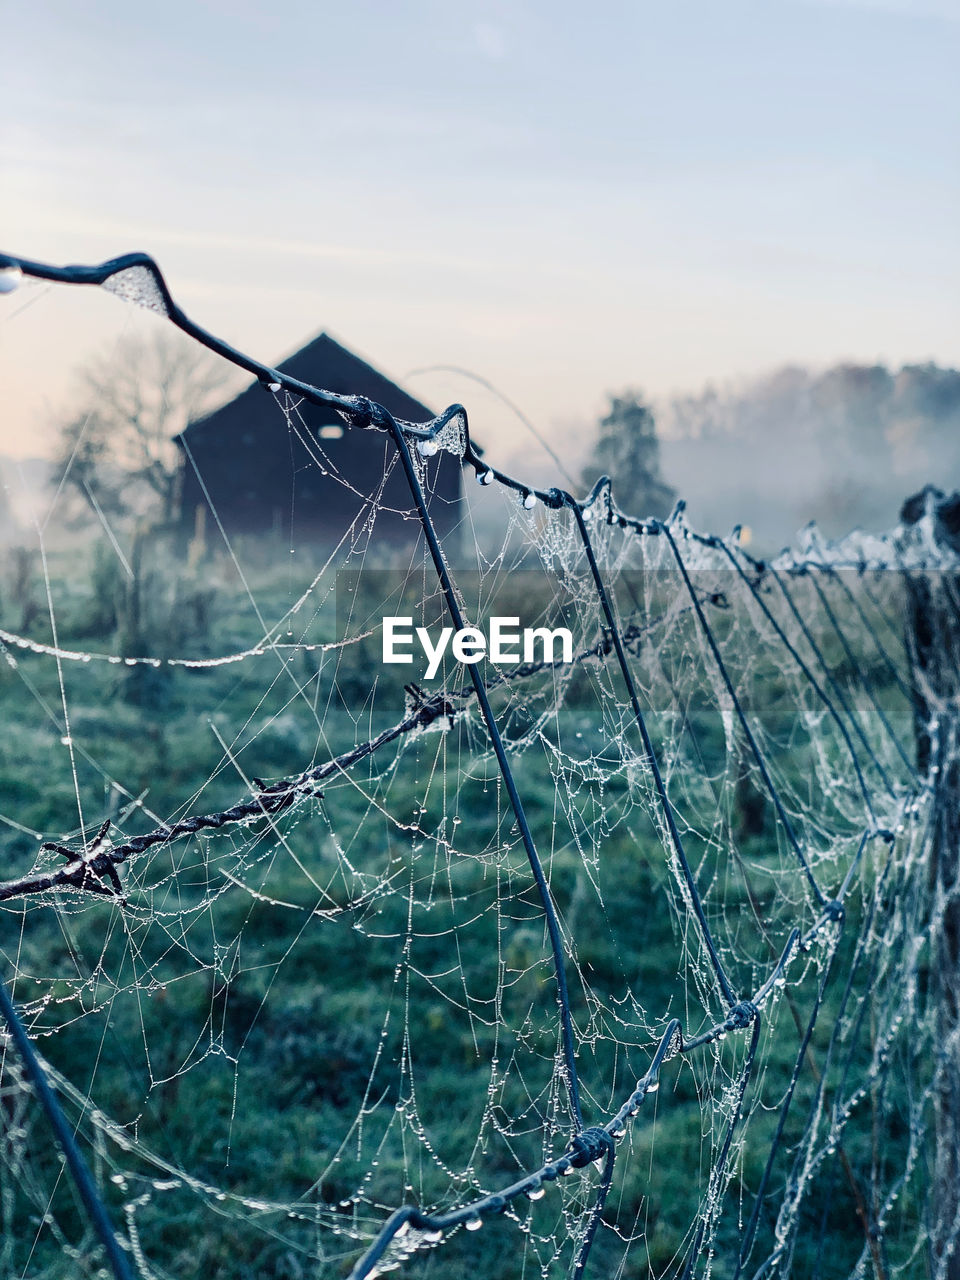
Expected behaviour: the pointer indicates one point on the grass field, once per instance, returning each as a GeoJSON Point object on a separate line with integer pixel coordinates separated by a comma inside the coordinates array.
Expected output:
{"type": "Point", "coordinates": [353, 1007]}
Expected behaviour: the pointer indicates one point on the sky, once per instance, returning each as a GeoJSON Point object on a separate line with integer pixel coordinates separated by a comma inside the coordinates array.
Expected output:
{"type": "Point", "coordinates": [566, 200]}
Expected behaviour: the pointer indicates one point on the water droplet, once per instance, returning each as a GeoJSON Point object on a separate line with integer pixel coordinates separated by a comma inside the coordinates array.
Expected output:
{"type": "Point", "coordinates": [10, 278]}
{"type": "Point", "coordinates": [536, 1193]}
{"type": "Point", "coordinates": [474, 1224]}
{"type": "Point", "coordinates": [530, 501]}
{"type": "Point", "coordinates": [485, 477]}
{"type": "Point", "coordinates": [427, 448]}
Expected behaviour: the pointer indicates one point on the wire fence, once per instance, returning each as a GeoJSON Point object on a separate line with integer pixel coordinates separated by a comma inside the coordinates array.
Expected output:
{"type": "Point", "coordinates": [821, 640]}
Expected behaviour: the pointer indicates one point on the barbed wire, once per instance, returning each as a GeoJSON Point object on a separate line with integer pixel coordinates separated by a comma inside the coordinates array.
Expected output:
{"type": "Point", "coordinates": [93, 867]}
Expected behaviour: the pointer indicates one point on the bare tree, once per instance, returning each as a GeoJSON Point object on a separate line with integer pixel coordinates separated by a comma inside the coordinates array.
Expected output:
{"type": "Point", "coordinates": [116, 451]}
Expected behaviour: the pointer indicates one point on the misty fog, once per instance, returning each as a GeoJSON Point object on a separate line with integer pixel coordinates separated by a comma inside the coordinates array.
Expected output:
{"type": "Point", "coordinates": [843, 447]}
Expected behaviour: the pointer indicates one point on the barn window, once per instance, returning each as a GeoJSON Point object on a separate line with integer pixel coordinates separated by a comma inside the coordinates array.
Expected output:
{"type": "Point", "coordinates": [332, 432]}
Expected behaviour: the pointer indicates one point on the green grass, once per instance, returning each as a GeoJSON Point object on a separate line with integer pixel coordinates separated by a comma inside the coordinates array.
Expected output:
{"type": "Point", "coordinates": [239, 1039]}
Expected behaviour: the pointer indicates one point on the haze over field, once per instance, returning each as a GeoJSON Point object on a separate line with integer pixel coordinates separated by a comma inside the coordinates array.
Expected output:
{"type": "Point", "coordinates": [658, 196]}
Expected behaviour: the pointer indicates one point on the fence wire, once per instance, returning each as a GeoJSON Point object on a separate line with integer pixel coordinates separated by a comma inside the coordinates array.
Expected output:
{"type": "Point", "coordinates": [888, 826]}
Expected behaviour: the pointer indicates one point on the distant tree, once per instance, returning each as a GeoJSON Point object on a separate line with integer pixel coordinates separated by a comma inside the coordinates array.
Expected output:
{"type": "Point", "coordinates": [628, 451]}
{"type": "Point", "coordinates": [116, 451]}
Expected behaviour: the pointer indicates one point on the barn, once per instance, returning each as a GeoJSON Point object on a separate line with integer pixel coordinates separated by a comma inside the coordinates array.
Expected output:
{"type": "Point", "coordinates": [247, 472]}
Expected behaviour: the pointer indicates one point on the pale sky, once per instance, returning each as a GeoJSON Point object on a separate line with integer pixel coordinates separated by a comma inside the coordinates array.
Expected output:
{"type": "Point", "coordinates": [565, 199]}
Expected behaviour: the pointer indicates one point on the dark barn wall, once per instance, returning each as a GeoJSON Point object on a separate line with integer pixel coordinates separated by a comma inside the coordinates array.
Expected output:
{"type": "Point", "coordinates": [261, 479]}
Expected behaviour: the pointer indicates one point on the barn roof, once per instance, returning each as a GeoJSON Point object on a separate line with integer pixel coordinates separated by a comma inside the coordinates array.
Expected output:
{"type": "Point", "coordinates": [326, 364]}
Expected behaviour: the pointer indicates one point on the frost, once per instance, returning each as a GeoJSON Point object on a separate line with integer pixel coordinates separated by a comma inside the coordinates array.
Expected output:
{"type": "Point", "coordinates": [137, 285]}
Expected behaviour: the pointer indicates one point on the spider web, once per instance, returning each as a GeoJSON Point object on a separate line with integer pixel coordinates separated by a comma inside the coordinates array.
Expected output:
{"type": "Point", "coordinates": [620, 963]}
